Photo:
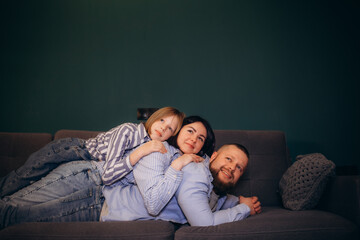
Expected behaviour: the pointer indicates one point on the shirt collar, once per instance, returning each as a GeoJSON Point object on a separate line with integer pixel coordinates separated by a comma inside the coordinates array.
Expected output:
{"type": "Point", "coordinates": [144, 136]}
{"type": "Point", "coordinates": [206, 162]}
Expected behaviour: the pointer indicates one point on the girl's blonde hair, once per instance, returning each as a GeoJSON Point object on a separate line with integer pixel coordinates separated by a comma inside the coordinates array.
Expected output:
{"type": "Point", "coordinates": [164, 112]}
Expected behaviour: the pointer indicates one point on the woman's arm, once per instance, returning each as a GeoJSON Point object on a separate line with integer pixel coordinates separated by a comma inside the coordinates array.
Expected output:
{"type": "Point", "coordinates": [156, 180]}
{"type": "Point", "coordinates": [159, 175]}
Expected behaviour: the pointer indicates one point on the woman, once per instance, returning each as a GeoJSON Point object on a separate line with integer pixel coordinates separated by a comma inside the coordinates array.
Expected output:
{"type": "Point", "coordinates": [157, 179]}
{"type": "Point", "coordinates": [84, 203]}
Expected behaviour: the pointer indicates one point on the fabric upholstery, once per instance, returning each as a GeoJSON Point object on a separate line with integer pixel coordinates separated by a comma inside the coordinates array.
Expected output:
{"type": "Point", "coordinates": [340, 193]}
{"type": "Point", "coordinates": [277, 223]}
{"type": "Point", "coordinates": [15, 148]}
{"type": "Point", "coordinates": [64, 133]}
{"type": "Point", "coordinates": [303, 183]}
{"type": "Point", "coordinates": [139, 230]}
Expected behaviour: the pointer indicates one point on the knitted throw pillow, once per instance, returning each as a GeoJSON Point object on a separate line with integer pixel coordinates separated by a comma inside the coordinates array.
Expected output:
{"type": "Point", "coordinates": [303, 182]}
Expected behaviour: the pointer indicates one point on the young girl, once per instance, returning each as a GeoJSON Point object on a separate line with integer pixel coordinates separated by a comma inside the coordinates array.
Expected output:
{"type": "Point", "coordinates": [109, 147]}
{"type": "Point", "coordinates": [112, 145]}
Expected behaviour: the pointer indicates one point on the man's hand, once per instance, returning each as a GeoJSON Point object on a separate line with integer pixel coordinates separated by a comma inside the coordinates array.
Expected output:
{"type": "Point", "coordinates": [253, 203]}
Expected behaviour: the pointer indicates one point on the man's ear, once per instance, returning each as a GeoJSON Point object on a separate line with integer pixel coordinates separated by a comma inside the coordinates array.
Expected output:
{"type": "Point", "coordinates": [213, 156]}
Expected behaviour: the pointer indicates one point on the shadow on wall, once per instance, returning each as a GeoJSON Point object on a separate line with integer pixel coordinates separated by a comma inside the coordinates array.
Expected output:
{"type": "Point", "coordinates": [300, 148]}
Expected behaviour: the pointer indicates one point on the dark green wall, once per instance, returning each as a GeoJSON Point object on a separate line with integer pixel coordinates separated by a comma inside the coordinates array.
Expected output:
{"type": "Point", "coordinates": [264, 65]}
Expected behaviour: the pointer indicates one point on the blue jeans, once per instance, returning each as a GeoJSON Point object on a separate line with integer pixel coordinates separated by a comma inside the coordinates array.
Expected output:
{"type": "Point", "coordinates": [71, 192]}
{"type": "Point", "coordinates": [40, 163]}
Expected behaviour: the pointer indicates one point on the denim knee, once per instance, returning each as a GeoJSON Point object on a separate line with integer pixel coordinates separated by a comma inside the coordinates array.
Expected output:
{"type": "Point", "coordinates": [52, 155]}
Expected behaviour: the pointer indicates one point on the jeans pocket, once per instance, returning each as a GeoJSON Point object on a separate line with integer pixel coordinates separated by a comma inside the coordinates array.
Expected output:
{"type": "Point", "coordinates": [94, 175]}
{"type": "Point", "coordinates": [79, 195]}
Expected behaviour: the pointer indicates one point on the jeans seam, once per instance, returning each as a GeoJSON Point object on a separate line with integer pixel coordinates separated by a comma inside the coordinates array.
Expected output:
{"type": "Point", "coordinates": [48, 183]}
{"type": "Point", "coordinates": [68, 213]}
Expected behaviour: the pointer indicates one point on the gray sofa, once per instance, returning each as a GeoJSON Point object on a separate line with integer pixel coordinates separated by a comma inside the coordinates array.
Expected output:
{"type": "Point", "coordinates": [336, 216]}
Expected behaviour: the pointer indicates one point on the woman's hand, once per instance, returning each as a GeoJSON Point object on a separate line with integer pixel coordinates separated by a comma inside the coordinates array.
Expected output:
{"type": "Point", "coordinates": [184, 160]}
{"type": "Point", "coordinates": [146, 149]}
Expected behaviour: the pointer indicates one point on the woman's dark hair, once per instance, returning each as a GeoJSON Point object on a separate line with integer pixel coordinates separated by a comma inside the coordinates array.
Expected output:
{"type": "Point", "coordinates": [209, 144]}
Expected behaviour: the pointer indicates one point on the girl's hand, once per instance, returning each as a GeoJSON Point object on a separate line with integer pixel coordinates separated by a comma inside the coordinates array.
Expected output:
{"type": "Point", "coordinates": [146, 149]}
{"type": "Point", "coordinates": [152, 146]}
{"type": "Point", "coordinates": [184, 160]}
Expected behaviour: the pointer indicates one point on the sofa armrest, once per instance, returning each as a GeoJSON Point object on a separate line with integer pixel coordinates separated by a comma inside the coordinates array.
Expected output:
{"type": "Point", "coordinates": [342, 196]}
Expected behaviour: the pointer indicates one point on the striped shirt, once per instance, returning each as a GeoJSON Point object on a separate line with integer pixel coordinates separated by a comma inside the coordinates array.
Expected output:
{"type": "Point", "coordinates": [156, 179]}
{"type": "Point", "coordinates": [152, 197]}
{"type": "Point", "coordinates": [112, 146]}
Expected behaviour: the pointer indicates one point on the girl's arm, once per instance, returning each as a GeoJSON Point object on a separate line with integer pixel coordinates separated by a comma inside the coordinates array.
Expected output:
{"type": "Point", "coordinates": [146, 149]}
{"type": "Point", "coordinates": [117, 165]}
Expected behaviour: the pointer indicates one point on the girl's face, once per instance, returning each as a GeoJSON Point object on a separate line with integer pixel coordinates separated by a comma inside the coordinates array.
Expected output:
{"type": "Point", "coordinates": [163, 128]}
{"type": "Point", "coordinates": [192, 137]}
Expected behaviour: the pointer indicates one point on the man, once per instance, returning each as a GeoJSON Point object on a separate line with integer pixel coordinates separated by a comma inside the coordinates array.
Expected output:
{"type": "Point", "coordinates": [206, 204]}
{"type": "Point", "coordinates": [195, 201]}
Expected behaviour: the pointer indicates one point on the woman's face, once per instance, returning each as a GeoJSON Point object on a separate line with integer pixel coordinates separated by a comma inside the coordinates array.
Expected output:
{"type": "Point", "coordinates": [192, 137]}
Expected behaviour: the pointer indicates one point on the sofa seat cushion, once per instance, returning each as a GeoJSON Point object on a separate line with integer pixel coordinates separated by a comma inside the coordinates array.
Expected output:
{"type": "Point", "coordinates": [278, 223]}
{"type": "Point", "coordinates": [160, 230]}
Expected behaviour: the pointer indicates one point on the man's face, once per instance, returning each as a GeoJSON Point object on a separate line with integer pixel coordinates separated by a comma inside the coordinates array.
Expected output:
{"type": "Point", "coordinates": [227, 166]}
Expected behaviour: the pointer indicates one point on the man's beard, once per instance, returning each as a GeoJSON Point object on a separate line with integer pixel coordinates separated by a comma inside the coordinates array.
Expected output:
{"type": "Point", "coordinates": [220, 188]}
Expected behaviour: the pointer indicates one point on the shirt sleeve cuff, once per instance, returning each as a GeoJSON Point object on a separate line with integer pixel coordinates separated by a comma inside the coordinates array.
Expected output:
{"type": "Point", "coordinates": [244, 209]}
{"type": "Point", "coordinates": [128, 164]}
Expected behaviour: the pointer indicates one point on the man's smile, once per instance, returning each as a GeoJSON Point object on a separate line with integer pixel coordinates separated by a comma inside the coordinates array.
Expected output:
{"type": "Point", "coordinates": [226, 173]}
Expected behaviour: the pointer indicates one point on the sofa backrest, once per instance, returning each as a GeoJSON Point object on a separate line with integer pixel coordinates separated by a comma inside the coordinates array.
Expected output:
{"type": "Point", "coordinates": [269, 156]}
{"type": "Point", "coordinates": [64, 133]}
{"type": "Point", "coordinates": [269, 159]}
{"type": "Point", "coordinates": [15, 148]}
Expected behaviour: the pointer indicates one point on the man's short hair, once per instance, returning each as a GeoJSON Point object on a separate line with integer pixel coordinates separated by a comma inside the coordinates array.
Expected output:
{"type": "Point", "coordinates": [239, 146]}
